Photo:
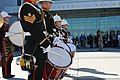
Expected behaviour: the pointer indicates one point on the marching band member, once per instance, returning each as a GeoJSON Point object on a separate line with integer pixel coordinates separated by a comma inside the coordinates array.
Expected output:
{"type": "Point", "coordinates": [6, 47]}
{"type": "Point", "coordinates": [61, 39]}
{"type": "Point", "coordinates": [57, 21]}
{"type": "Point", "coordinates": [27, 37]}
{"type": "Point", "coordinates": [34, 46]}
{"type": "Point", "coordinates": [64, 30]}
{"type": "Point", "coordinates": [68, 38]}
{"type": "Point", "coordinates": [57, 30]}
{"type": "Point", "coordinates": [65, 33]}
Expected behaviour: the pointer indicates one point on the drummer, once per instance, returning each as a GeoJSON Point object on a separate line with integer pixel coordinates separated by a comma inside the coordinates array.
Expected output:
{"type": "Point", "coordinates": [67, 39]}
{"type": "Point", "coordinates": [34, 46]}
{"type": "Point", "coordinates": [65, 33]}
{"type": "Point", "coordinates": [57, 21]}
{"type": "Point", "coordinates": [6, 47]}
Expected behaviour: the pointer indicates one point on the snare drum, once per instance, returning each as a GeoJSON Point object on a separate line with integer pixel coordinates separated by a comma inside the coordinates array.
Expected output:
{"type": "Point", "coordinates": [72, 49]}
{"type": "Point", "coordinates": [59, 43]}
{"type": "Point", "coordinates": [58, 60]}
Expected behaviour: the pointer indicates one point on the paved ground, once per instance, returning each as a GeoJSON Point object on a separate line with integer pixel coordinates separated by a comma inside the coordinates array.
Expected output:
{"type": "Point", "coordinates": [85, 66]}
{"type": "Point", "coordinates": [95, 66]}
{"type": "Point", "coordinates": [117, 49]}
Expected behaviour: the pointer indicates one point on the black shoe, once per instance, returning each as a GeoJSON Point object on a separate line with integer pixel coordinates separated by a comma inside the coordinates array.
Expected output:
{"type": "Point", "coordinates": [5, 77]}
{"type": "Point", "coordinates": [11, 76]}
{"type": "Point", "coordinates": [65, 74]}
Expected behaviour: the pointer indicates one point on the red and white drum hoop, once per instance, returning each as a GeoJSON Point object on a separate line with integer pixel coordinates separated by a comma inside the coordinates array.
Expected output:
{"type": "Point", "coordinates": [59, 57]}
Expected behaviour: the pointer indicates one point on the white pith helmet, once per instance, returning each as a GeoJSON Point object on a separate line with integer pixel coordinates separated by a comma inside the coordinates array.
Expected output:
{"type": "Point", "coordinates": [64, 22]}
{"type": "Point", "coordinates": [46, 0]}
{"type": "Point", "coordinates": [4, 14]}
{"type": "Point", "coordinates": [57, 18]}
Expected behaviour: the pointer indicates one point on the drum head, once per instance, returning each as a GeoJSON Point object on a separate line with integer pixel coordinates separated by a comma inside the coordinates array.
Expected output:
{"type": "Point", "coordinates": [72, 46]}
{"type": "Point", "coordinates": [61, 44]}
{"type": "Point", "coordinates": [18, 35]}
{"type": "Point", "coordinates": [59, 57]}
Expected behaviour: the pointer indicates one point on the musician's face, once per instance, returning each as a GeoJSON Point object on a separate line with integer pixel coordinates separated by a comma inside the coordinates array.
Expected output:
{"type": "Point", "coordinates": [6, 19]}
{"type": "Point", "coordinates": [65, 26]}
{"type": "Point", "coordinates": [58, 24]}
{"type": "Point", "coordinates": [46, 5]}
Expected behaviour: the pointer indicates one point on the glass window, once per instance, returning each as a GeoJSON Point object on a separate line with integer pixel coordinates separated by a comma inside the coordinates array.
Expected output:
{"type": "Point", "coordinates": [90, 25]}
{"type": "Point", "coordinates": [18, 2]}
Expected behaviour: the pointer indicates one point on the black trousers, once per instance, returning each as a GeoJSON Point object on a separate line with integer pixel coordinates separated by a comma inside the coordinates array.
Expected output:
{"type": "Point", "coordinates": [37, 71]}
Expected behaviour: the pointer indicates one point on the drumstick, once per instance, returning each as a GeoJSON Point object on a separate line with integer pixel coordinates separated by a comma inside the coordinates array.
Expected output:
{"type": "Point", "coordinates": [48, 49]}
{"type": "Point", "coordinates": [8, 34]}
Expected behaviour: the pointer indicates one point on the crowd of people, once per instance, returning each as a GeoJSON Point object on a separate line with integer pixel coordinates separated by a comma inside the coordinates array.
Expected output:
{"type": "Point", "coordinates": [94, 41]}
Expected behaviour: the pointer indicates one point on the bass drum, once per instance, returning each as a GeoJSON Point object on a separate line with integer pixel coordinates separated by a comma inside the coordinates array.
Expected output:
{"type": "Point", "coordinates": [16, 34]}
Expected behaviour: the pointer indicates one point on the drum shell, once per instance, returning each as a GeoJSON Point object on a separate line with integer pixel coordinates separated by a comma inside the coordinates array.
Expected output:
{"type": "Point", "coordinates": [52, 72]}
{"type": "Point", "coordinates": [53, 69]}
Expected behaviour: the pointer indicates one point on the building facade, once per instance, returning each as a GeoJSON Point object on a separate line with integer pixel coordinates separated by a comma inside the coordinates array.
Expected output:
{"type": "Point", "coordinates": [84, 16]}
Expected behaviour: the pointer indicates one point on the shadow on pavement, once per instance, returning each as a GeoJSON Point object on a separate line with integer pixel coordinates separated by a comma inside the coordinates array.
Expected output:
{"type": "Point", "coordinates": [96, 50]}
{"type": "Point", "coordinates": [92, 71]}
{"type": "Point", "coordinates": [84, 77]}
{"type": "Point", "coordinates": [15, 79]}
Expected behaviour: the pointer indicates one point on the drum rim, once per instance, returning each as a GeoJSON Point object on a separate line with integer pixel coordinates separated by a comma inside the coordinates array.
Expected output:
{"type": "Point", "coordinates": [69, 46]}
{"type": "Point", "coordinates": [60, 66]}
{"type": "Point", "coordinates": [63, 48]}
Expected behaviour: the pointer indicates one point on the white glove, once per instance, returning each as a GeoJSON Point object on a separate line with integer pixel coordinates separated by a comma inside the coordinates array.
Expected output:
{"type": "Point", "coordinates": [47, 49]}
{"type": "Point", "coordinates": [8, 34]}
{"type": "Point", "coordinates": [56, 39]}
